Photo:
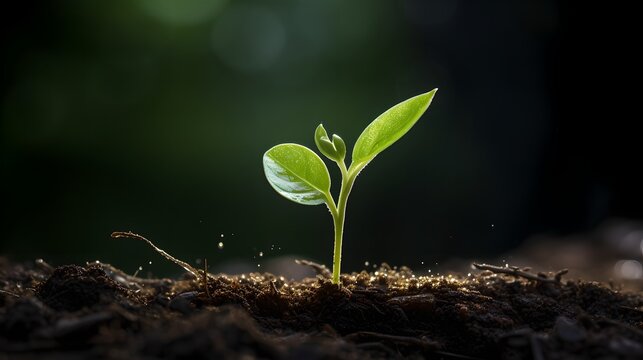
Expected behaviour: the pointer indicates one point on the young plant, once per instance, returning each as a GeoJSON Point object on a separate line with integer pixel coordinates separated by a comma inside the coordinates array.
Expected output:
{"type": "Point", "coordinates": [298, 174]}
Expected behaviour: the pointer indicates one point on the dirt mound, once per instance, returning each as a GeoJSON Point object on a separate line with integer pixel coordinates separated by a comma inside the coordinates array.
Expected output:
{"type": "Point", "coordinates": [97, 311]}
{"type": "Point", "coordinates": [71, 288]}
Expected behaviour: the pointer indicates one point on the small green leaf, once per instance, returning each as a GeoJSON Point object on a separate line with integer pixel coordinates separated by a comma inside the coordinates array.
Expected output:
{"type": "Point", "coordinates": [297, 173]}
{"type": "Point", "coordinates": [389, 127]}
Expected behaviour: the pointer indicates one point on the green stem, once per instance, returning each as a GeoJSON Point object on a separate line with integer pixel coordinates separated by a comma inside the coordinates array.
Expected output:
{"type": "Point", "coordinates": [348, 179]}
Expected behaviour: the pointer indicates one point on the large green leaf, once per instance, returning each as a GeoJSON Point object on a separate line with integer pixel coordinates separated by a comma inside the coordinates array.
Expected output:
{"type": "Point", "coordinates": [389, 127]}
{"type": "Point", "coordinates": [297, 173]}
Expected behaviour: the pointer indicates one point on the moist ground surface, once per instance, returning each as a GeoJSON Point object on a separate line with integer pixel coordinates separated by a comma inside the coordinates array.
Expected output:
{"type": "Point", "coordinates": [96, 311]}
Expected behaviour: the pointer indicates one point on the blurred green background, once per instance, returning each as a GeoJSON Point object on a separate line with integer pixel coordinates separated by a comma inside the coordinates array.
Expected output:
{"type": "Point", "coordinates": [153, 115]}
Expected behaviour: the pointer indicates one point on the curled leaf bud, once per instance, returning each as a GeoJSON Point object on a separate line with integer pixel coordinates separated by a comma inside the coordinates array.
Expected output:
{"type": "Point", "coordinates": [340, 146]}
{"type": "Point", "coordinates": [324, 144]}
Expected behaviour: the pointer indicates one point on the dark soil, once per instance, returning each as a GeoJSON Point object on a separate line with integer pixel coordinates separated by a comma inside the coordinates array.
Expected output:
{"type": "Point", "coordinates": [96, 311]}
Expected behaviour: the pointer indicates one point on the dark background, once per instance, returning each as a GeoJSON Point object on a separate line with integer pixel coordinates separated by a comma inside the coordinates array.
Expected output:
{"type": "Point", "coordinates": [152, 116]}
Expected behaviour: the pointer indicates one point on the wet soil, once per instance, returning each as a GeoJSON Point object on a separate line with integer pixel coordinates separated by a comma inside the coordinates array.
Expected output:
{"type": "Point", "coordinates": [96, 311]}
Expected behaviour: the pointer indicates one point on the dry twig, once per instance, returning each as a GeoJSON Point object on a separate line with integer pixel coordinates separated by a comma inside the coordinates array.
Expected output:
{"type": "Point", "coordinates": [205, 277]}
{"type": "Point", "coordinates": [273, 288]}
{"type": "Point", "coordinates": [516, 271]}
{"type": "Point", "coordinates": [183, 264]}
{"type": "Point", "coordinates": [9, 293]}
{"type": "Point", "coordinates": [319, 269]}
{"type": "Point", "coordinates": [421, 342]}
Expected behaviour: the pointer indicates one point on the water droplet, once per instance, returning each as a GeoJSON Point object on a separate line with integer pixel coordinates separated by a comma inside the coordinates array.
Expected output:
{"type": "Point", "coordinates": [365, 263]}
{"type": "Point", "coordinates": [150, 263]}
{"type": "Point", "coordinates": [258, 265]}
{"type": "Point", "coordinates": [422, 262]}
{"type": "Point", "coordinates": [506, 265]}
{"type": "Point", "coordinates": [221, 235]}
{"type": "Point", "coordinates": [469, 274]}
{"type": "Point", "coordinates": [140, 268]}
{"type": "Point", "coordinates": [429, 270]}
{"type": "Point", "coordinates": [492, 226]}
{"type": "Point", "coordinates": [220, 245]}
{"type": "Point", "coordinates": [260, 253]}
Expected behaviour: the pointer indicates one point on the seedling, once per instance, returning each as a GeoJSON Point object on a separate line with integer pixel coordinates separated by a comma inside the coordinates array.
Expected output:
{"type": "Point", "coordinates": [300, 175]}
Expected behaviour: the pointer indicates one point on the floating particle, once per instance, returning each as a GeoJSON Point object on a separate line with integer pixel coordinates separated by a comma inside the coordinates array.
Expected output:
{"type": "Point", "coordinates": [220, 245]}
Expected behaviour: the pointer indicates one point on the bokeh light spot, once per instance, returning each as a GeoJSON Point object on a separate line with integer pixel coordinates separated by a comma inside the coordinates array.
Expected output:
{"type": "Point", "coordinates": [184, 12]}
{"type": "Point", "coordinates": [628, 269]}
{"type": "Point", "coordinates": [248, 38]}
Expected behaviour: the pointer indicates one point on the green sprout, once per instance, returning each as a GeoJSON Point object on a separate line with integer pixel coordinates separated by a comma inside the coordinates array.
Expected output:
{"type": "Point", "coordinates": [300, 175]}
